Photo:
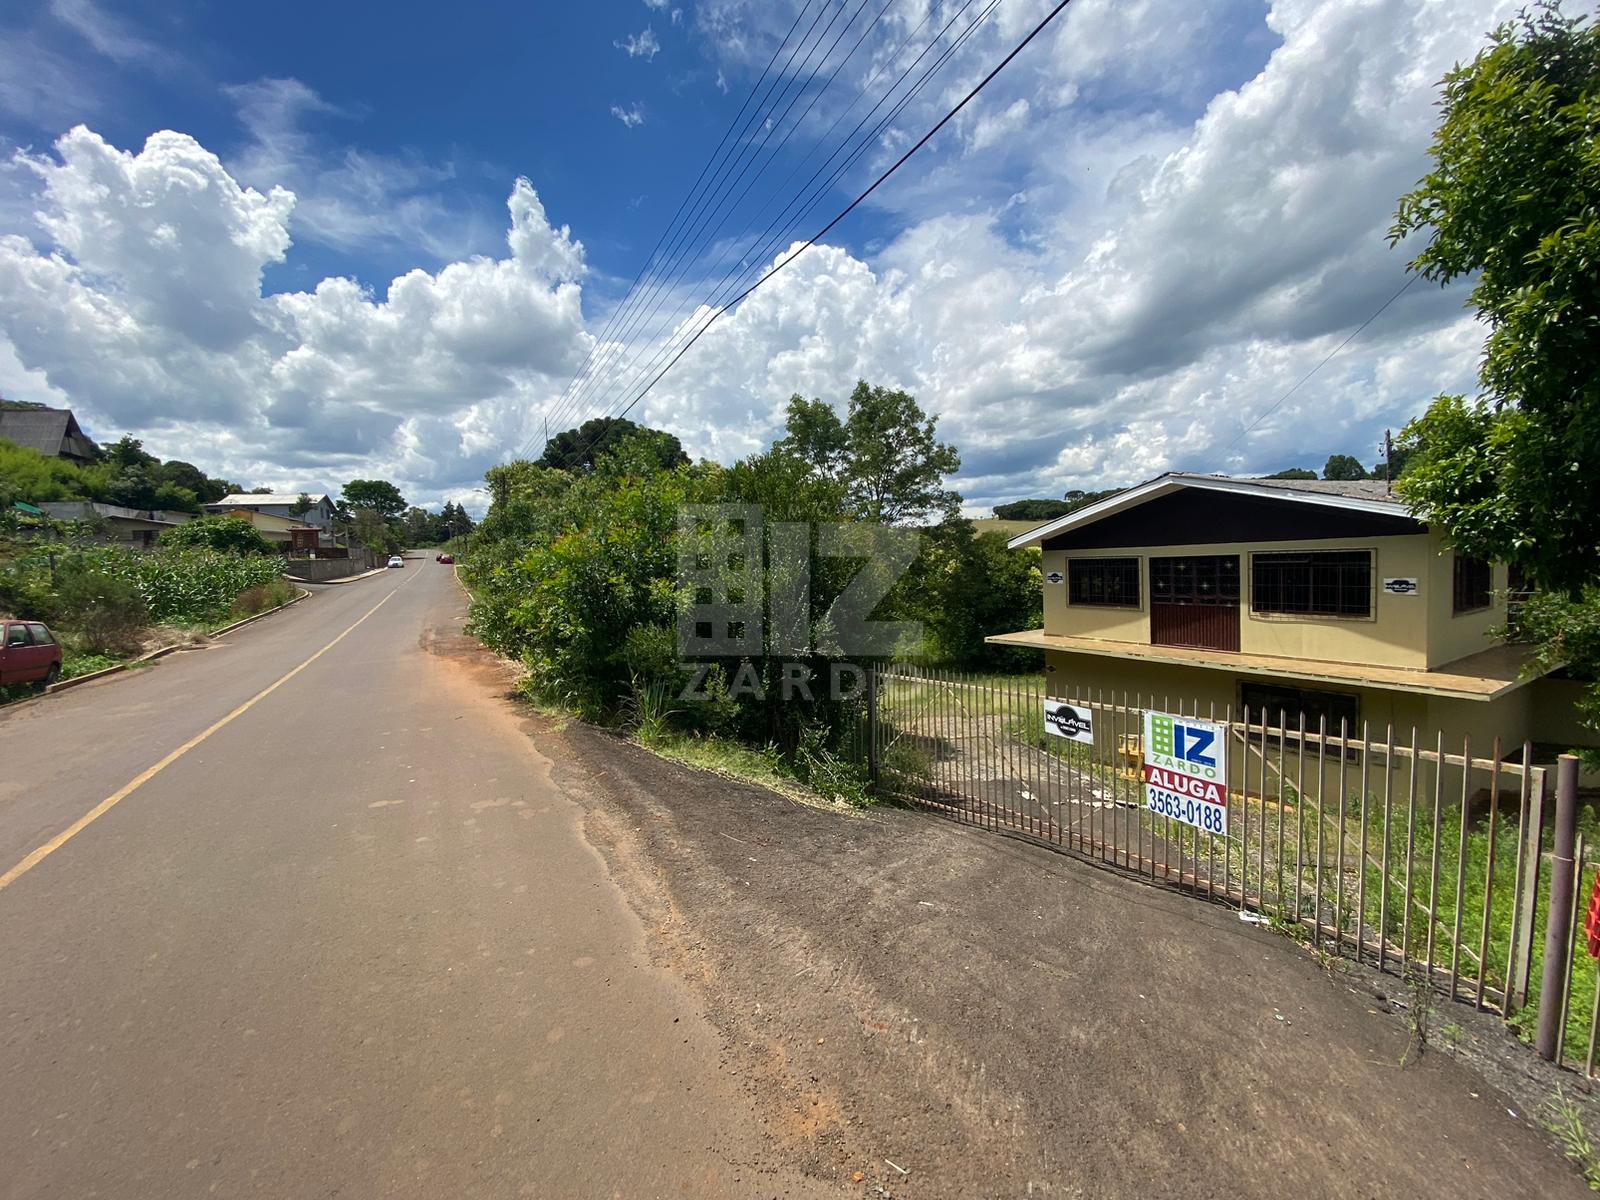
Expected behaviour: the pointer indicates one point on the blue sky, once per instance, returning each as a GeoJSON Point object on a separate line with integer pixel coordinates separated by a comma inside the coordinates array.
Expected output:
{"type": "Point", "coordinates": [473, 95]}
{"type": "Point", "coordinates": [1155, 222]}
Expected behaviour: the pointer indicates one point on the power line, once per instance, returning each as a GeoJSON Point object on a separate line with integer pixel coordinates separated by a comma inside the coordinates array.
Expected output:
{"type": "Point", "coordinates": [851, 207]}
{"type": "Point", "coordinates": [657, 290]}
{"type": "Point", "coordinates": [807, 197]}
{"type": "Point", "coordinates": [1355, 333]}
{"type": "Point", "coordinates": [682, 204]}
{"type": "Point", "coordinates": [675, 245]}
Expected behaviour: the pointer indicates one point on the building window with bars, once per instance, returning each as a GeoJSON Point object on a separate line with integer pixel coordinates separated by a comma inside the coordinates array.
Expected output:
{"type": "Point", "coordinates": [1282, 707]}
{"type": "Point", "coordinates": [1474, 579]}
{"type": "Point", "coordinates": [1103, 582]}
{"type": "Point", "coordinates": [1317, 583]}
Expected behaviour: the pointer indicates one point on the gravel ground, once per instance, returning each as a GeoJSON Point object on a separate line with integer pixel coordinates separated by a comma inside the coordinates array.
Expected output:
{"type": "Point", "coordinates": [916, 1008]}
{"type": "Point", "coordinates": [946, 1012]}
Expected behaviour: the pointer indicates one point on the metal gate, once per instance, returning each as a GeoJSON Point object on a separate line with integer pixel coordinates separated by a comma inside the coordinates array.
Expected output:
{"type": "Point", "coordinates": [1428, 859]}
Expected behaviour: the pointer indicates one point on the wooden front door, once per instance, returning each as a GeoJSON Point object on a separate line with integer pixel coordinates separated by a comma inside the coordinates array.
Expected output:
{"type": "Point", "coordinates": [1194, 601]}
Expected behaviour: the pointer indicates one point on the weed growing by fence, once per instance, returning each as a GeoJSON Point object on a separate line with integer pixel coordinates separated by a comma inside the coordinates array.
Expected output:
{"type": "Point", "coordinates": [1563, 1119]}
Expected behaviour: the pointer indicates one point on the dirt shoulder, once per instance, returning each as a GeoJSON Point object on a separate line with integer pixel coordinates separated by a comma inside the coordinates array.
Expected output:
{"type": "Point", "coordinates": [945, 1012]}
{"type": "Point", "coordinates": [998, 1020]}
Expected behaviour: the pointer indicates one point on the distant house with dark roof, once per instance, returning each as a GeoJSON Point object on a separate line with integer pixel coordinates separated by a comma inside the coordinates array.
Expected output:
{"type": "Point", "coordinates": [116, 525]}
{"type": "Point", "coordinates": [50, 431]}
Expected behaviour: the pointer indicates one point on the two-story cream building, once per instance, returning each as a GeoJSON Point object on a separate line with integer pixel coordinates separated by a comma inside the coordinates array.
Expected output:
{"type": "Point", "coordinates": [1314, 597]}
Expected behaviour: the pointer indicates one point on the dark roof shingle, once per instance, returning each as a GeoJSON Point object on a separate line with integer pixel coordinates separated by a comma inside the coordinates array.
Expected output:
{"type": "Point", "coordinates": [52, 431]}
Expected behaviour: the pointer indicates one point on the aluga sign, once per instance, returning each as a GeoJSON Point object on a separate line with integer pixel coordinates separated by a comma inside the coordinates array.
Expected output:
{"type": "Point", "coordinates": [1186, 771]}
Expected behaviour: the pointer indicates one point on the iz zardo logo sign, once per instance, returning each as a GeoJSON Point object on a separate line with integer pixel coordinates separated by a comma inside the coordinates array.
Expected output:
{"type": "Point", "coordinates": [1186, 771]}
{"type": "Point", "coordinates": [747, 587]}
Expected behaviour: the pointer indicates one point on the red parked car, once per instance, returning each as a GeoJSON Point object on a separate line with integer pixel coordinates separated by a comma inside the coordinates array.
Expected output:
{"type": "Point", "coordinates": [447, 559]}
{"type": "Point", "coordinates": [28, 654]}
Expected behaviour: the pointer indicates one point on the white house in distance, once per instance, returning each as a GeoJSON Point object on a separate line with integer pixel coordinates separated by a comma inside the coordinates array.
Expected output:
{"type": "Point", "coordinates": [320, 514]}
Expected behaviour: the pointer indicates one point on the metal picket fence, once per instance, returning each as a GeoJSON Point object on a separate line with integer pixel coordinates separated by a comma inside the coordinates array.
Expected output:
{"type": "Point", "coordinates": [1436, 861]}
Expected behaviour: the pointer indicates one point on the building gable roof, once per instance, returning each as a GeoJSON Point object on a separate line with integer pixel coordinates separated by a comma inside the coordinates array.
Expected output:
{"type": "Point", "coordinates": [1367, 496]}
{"type": "Point", "coordinates": [267, 500]}
{"type": "Point", "coordinates": [52, 431]}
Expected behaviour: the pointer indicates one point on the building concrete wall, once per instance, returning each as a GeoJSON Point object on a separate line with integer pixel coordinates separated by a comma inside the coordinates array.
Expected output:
{"type": "Point", "coordinates": [1414, 631]}
{"type": "Point", "coordinates": [1205, 690]}
{"type": "Point", "coordinates": [313, 570]}
{"type": "Point", "coordinates": [1449, 636]}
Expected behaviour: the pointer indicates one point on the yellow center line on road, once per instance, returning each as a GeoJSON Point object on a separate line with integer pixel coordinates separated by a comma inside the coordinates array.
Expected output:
{"type": "Point", "coordinates": [144, 777]}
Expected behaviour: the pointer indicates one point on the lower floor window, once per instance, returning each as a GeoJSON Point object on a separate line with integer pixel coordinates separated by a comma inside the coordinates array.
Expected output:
{"type": "Point", "coordinates": [1282, 707]}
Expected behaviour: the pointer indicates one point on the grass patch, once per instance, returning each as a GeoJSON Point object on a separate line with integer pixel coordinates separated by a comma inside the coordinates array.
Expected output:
{"type": "Point", "coordinates": [732, 760]}
{"type": "Point", "coordinates": [74, 665]}
{"type": "Point", "coordinates": [1386, 846]}
{"type": "Point", "coordinates": [1461, 891]}
{"type": "Point", "coordinates": [256, 600]}
{"type": "Point", "coordinates": [544, 703]}
{"type": "Point", "coordinates": [904, 698]}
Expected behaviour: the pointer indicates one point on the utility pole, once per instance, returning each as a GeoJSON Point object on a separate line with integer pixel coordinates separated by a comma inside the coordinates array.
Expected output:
{"type": "Point", "coordinates": [1388, 462]}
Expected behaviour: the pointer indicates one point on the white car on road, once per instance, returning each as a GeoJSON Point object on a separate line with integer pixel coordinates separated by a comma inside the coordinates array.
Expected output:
{"type": "Point", "coordinates": [396, 561]}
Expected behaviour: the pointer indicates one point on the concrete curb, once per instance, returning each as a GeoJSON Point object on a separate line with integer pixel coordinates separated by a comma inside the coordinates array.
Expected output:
{"type": "Point", "coordinates": [252, 620]}
{"type": "Point", "coordinates": [339, 580]}
{"type": "Point", "coordinates": [68, 684]}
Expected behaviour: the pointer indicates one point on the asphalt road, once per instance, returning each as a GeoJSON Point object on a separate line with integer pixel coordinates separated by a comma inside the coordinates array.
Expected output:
{"type": "Point", "coordinates": [303, 913]}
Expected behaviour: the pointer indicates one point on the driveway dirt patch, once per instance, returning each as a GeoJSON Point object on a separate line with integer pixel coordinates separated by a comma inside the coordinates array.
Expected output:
{"type": "Point", "coordinates": [949, 1013]}
{"type": "Point", "coordinates": [917, 1008]}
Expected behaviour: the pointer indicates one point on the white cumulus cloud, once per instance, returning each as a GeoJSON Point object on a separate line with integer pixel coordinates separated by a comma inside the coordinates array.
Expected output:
{"type": "Point", "coordinates": [144, 309]}
{"type": "Point", "coordinates": [1148, 283]}
{"type": "Point", "coordinates": [1157, 222]}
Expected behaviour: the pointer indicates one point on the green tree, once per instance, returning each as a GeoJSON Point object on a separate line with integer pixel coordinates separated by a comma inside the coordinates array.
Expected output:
{"type": "Point", "coordinates": [179, 474]}
{"type": "Point", "coordinates": [1513, 202]}
{"type": "Point", "coordinates": [884, 454]}
{"type": "Point", "coordinates": [1399, 458]}
{"type": "Point", "coordinates": [456, 521]}
{"type": "Point", "coordinates": [377, 495]}
{"type": "Point", "coordinates": [105, 611]}
{"type": "Point", "coordinates": [36, 478]}
{"type": "Point", "coordinates": [581, 448]}
{"type": "Point", "coordinates": [965, 587]}
{"type": "Point", "coordinates": [1343, 467]}
{"type": "Point", "coordinates": [232, 535]}
{"type": "Point", "coordinates": [815, 435]}
{"type": "Point", "coordinates": [128, 452]}
{"type": "Point", "coordinates": [1292, 473]}
{"type": "Point", "coordinates": [370, 528]}
{"type": "Point", "coordinates": [1032, 510]}
{"type": "Point", "coordinates": [423, 528]}
{"type": "Point", "coordinates": [1076, 498]}
{"type": "Point", "coordinates": [135, 486]}
{"type": "Point", "coordinates": [301, 506]}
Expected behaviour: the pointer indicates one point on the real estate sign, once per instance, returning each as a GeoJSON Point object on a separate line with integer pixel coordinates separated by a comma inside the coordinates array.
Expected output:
{"type": "Point", "coordinates": [1069, 721]}
{"type": "Point", "coordinates": [1186, 770]}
